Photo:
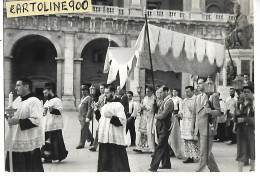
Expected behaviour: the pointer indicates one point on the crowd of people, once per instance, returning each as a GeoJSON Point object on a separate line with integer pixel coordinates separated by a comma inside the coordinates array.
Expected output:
{"type": "Point", "coordinates": [162, 124]}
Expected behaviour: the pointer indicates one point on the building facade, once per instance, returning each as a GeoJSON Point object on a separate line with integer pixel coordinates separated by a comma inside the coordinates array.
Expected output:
{"type": "Point", "coordinates": [69, 49]}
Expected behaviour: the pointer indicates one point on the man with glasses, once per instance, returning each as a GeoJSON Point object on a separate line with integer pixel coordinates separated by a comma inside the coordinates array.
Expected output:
{"type": "Point", "coordinates": [204, 131]}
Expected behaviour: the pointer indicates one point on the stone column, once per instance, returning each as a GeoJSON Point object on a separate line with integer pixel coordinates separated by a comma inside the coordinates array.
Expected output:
{"type": "Point", "coordinates": [186, 5]}
{"type": "Point", "coordinates": [126, 3]}
{"type": "Point", "coordinates": [77, 79]}
{"type": "Point", "coordinates": [251, 11]}
{"type": "Point", "coordinates": [136, 8]}
{"type": "Point", "coordinates": [196, 10]}
{"type": "Point", "coordinates": [60, 64]}
{"type": "Point", "coordinates": [7, 75]}
{"type": "Point", "coordinates": [68, 98]}
{"type": "Point", "coordinates": [251, 70]}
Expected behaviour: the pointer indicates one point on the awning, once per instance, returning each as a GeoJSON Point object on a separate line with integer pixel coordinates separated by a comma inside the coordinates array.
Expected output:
{"type": "Point", "coordinates": [120, 60]}
{"type": "Point", "coordinates": [171, 51]}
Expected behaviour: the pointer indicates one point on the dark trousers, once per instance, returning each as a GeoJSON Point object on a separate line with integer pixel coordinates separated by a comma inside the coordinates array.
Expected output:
{"type": "Point", "coordinates": [221, 132]}
{"type": "Point", "coordinates": [85, 134]}
{"type": "Point", "coordinates": [131, 127]}
{"type": "Point", "coordinates": [230, 135]}
{"type": "Point", "coordinates": [162, 152]}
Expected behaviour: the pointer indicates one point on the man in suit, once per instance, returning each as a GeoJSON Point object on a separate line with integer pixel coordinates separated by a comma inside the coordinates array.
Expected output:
{"type": "Point", "coordinates": [205, 115]}
{"type": "Point", "coordinates": [85, 115]}
{"type": "Point", "coordinates": [163, 124]}
{"type": "Point", "coordinates": [247, 82]}
{"type": "Point", "coordinates": [131, 116]}
{"type": "Point", "coordinates": [121, 93]}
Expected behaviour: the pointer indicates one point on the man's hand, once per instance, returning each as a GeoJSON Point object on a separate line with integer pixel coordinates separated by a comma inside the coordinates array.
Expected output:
{"type": "Point", "coordinates": [87, 120]}
{"type": "Point", "coordinates": [13, 121]}
{"type": "Point", "coordinates": [7, 116]}
{"type": "Point", "coordinates": [143, 107]}
{"type": "Point", "coordinates": [45, 111]}
{"type": "Point", "coordinates": [208, 110]}
{"type": "Point", "coordinates": [51, 108]}
{"type": "Point", "coordinates": [178, 116]}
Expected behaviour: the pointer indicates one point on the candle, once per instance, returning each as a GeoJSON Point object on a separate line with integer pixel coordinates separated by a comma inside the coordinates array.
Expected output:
{"type": "Point", "coordinates": [11, 97]}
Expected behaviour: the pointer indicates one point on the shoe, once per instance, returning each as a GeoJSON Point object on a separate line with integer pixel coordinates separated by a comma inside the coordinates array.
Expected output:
{"type": "Point", "coordinates": [172, 154]}
{"type": "Point", "coordinates": [80, 147]}
{"type": "Point", "coordinates": [164, 167]}
{"type": "Point", "coordinates": [189, 160]}
{"type": "Point", "coordinates": [132, 145]}
{"type": "Point", "coordinates": [233, 142]}
{"type": "Point", "coordinates": [92, 149]}
{"type": "Point", "coordinates": [91, 143]}
{"type": "Point", "coordinates": [152, 170]}
{"type": "Point", "coordinates": [137, 150]}
{"type": "Point", "coordinates": [47, 161]}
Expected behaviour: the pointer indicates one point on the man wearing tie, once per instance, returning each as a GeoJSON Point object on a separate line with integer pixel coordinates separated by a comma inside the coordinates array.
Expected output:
{"type": "Point", "coordinates": [204, 115]}
{"type": "Point", "coordinates": [85, 115]}
{"type": "Point", "coordinates": [131, 116]}
{"type": "Point", "coordinates": [163, 124]}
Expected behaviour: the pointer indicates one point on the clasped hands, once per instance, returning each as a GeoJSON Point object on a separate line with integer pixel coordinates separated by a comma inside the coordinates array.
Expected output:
{"type": "Point", "coordinates": [45, 109]}
{"type": "Point", "coordinates": [11, 121]}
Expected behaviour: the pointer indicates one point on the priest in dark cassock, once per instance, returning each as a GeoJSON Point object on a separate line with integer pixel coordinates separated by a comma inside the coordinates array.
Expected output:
{"type": "Point", "coordinates": [26, 136]}
{"type": "Point", "coordinates": [54, 148]}
{"type": "Point", "coordinates": [112, 155]}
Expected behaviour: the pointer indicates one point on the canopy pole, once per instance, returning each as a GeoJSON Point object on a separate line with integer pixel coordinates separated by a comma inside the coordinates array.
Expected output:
{"type": "Point", "coordinates": [150, 55]}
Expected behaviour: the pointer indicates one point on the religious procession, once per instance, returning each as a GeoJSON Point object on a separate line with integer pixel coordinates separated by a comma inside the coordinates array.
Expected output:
{"type": "Point", "coordinates": [169, 101]}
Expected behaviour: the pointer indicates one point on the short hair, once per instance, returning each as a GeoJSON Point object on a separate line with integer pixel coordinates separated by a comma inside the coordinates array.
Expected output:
{"type": "Point", "coordinates": [149, 87]}
{"type": "Point", "coordinates": [102, 84]}
{"type": "Point", "coordinates": [165, 88]}
{"type": "Point", "coordinates": [232, 88]}
{"type": "Point", "coordinates": [248, 87]}
{"type": "Point", "coordinates": [190, 87]}
{"type": "Point", "coordinates": [237, 6]}
{"type": "Point", "coordinates": [85, 87]}
{"type": "Point", "coordinates": [26, 81]}
{"type": "Point", "coordinates": [50, 86]}
{"type": "Point", "coordinates": [203, 78]}
{"type": "Point", "coordinates": [130, 92]}
{"type": "Point", "coordinates": [111, 88]}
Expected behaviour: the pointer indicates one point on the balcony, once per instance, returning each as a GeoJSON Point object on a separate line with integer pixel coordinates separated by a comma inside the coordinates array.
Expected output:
{"type": "Point", "coordinates": [159, 14]}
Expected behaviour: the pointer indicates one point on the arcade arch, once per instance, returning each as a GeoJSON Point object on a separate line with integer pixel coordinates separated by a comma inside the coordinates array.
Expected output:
{"type": "Point", "coordinates": [34, 57]}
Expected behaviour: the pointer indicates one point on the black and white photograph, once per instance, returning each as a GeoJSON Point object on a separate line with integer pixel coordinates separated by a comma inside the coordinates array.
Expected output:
{"type": "Point", "coordinates": [136, 86]}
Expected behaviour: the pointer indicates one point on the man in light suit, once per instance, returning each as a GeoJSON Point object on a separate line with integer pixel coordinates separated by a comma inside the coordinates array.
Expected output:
{"type": "Point", "coordinates": [204, 115]}
{"type": "Point", "coordinates": [163, 124]}
{"type": "Point", "coordinates": [85, 115]}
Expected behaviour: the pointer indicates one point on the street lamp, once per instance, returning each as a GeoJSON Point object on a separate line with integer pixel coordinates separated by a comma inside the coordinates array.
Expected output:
{"type": "Point", "coordinates": [92, 92]}
{"type": "Point", "coordinates": [238, 84]}
{"type": "Point", "coordinates": [139, 90]}
{"type": "Point", "coordinates": [209, 86]}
